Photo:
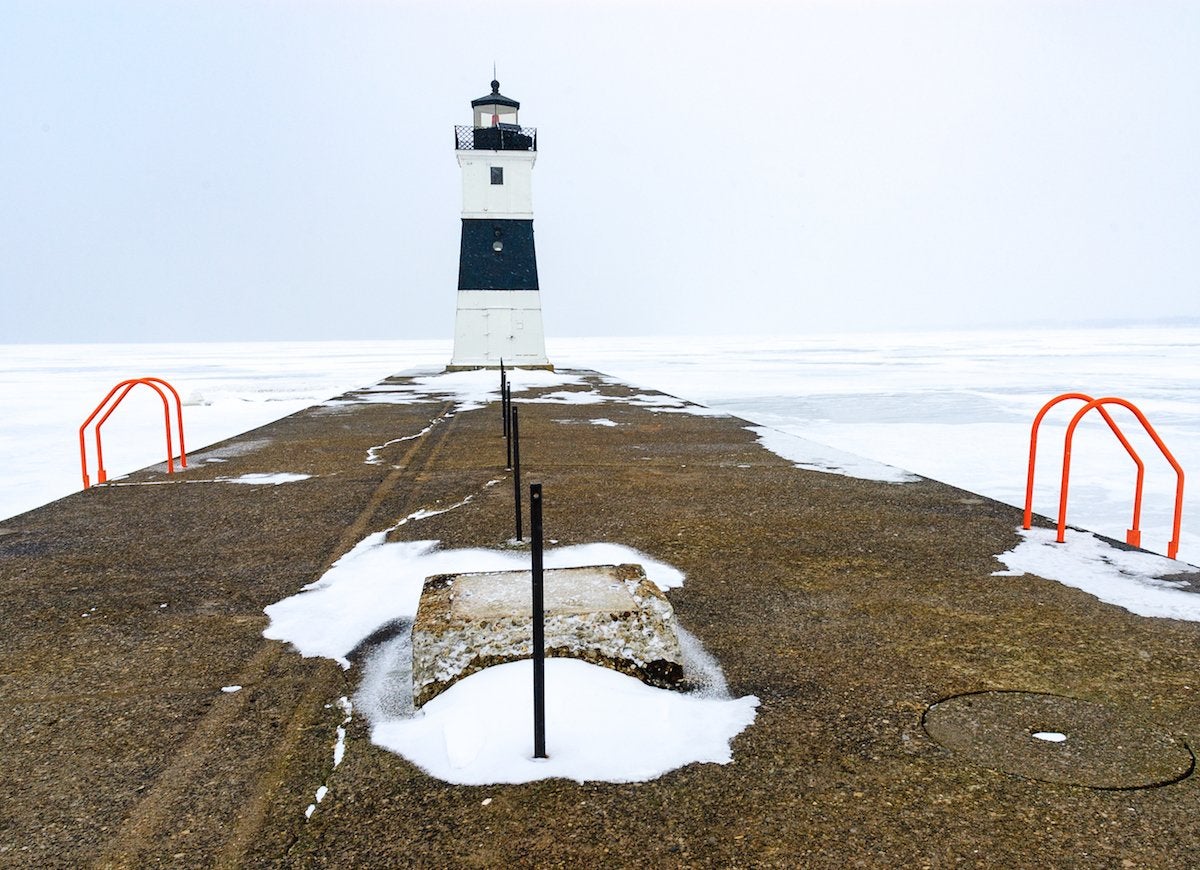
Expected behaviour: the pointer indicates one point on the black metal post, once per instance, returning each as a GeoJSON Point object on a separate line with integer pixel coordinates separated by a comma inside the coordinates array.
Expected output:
{"type": "Point", "coordinates": [516, 468]}
{"type": "Point", "coordinates": [539, 624]}
{"type": "Point", "coordinates": [504, 398]}
{"type": "Point", "coordinates": [508, 426]}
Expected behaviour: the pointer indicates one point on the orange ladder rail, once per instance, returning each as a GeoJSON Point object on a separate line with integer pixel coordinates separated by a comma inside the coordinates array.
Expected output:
{"type": "Point", "coordinates": [82, 444]}
{"type": "Point", "coordinates": [128, 385]}
{"type": "Point", "coordinates": [1133, 536]}
{"type": "Point", "coordinates": [102, 475]}
{"type": "Point", "coordinates": [1173, 544]}
{"type": "Point", "coordinates": [178, 417]}
{"type": "Point", "coordinates": [150, 382]}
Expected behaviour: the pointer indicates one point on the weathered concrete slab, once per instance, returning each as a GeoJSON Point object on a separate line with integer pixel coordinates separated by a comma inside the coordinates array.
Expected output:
{"type": "Point", "coordinates": [608, 615]}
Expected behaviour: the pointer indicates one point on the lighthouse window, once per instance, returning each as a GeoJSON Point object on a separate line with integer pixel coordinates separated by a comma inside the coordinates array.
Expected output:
{"type": "Point", "coordinates": [497, 175]}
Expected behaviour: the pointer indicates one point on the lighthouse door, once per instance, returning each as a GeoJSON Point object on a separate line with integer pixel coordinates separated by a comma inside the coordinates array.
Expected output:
{"type": "Point", "coordinates": [499, 333]}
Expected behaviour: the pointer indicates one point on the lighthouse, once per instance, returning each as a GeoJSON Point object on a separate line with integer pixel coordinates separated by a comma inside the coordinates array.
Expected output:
{"type": "Point", "coordinates": [499, 315]}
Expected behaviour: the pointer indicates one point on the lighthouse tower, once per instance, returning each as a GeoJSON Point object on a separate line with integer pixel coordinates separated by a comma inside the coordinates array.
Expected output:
{"type": "Point", "coordinates": [499, 305]}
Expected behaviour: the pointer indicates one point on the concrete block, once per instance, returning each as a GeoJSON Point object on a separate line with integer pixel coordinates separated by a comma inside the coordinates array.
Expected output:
{"type": "Point", "coordinates": [609, 615]}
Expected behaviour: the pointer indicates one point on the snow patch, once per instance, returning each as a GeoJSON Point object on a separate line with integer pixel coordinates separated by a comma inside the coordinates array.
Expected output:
{"type": "Point", "coordinates": [425, 513]}
{"type": "Point", "coordinates": [657, 402]}
{"type": "Point", "coordinates": [572, 397]}
{"type": "Point", "coordinates": [467, 390]}
{"type": "Point", "coordinates": [601, 725]}
{"type": "Point", "coordinates": [818, 457]}
{"type": "Point", "coordinates": [1049, 736]}
{"type": "Point", "coordinates": [262, 479]}
{"type": "Point", "coordinates": [339, 751]}
{"type": "Point", "coordinates": [1130, 579]}
{"type": "Point", "coordinates": [379, 582]}
{"type": "Point", "coordinates": [373, 457]}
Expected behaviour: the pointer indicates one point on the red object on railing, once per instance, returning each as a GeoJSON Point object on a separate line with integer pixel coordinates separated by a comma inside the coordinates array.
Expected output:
{"type": "Point", "coordinates": [1133, 536]}
{"type": "Point", "coordinates": [101, 474]}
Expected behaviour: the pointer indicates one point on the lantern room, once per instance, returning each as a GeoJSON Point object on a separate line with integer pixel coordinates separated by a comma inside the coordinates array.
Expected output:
{"type": "Point", "coordinates": [495, 127]}
{"type": "Point", "coordinates": [495, 110]}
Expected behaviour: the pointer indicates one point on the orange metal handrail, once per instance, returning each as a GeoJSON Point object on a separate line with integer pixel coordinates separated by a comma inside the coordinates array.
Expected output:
{"type": "Point", "coordinates": [1133, 536]}
{"type": "Point", "coordinates": [178, 417]}
{"type": "Point", "coordinates": [150, 382]}
{"type": "Point", "coordinates": [101, 474]}
{"type": "Point", "coordinates": [128, 385]}
{"type": "Point", "coordinates": [1173, 544]}
{"type": "Point", "coordinates": [82, 444]}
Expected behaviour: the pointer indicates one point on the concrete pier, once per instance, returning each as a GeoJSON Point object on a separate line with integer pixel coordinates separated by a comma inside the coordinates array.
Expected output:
{"type": "Point", "coordinates": [849, 607]}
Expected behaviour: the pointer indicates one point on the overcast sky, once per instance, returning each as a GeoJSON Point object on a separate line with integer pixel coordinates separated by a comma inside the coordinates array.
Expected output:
{"type": "Point", "coordinates": [259, 169]}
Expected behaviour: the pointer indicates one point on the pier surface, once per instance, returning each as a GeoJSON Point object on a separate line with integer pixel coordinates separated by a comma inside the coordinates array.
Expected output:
{"type": "Point", "coordinates": [849, 607]}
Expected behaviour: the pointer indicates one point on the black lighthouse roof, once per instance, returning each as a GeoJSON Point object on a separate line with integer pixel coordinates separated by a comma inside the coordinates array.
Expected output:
{"type": "Point", "coordinates": [495, 98]}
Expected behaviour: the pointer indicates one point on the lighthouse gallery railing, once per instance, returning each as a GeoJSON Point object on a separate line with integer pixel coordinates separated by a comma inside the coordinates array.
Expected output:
{"type": "Point", "coordinates": [506, 137]}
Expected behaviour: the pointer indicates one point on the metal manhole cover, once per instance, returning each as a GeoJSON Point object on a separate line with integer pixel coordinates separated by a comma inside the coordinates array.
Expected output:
{"type": "Point", "coordinates": [1057, 739]}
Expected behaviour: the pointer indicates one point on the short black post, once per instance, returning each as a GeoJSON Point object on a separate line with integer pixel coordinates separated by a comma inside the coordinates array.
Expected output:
{"type": "Point", "coordinates": [507, 403]}
{"type": "Point", "coordinates": [516, 468]}
{"type": "Point", "coordinates": [504, 398]}
{"type": "Point", "coordinates": [539, 626]}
